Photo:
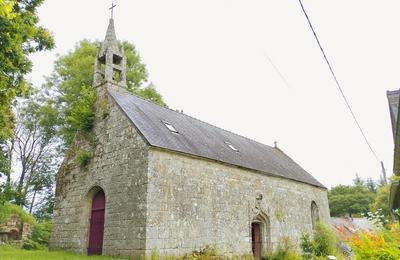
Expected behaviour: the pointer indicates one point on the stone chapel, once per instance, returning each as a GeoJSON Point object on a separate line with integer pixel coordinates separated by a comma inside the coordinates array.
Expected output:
{"type": "Point", "coordinates": [162, 180]}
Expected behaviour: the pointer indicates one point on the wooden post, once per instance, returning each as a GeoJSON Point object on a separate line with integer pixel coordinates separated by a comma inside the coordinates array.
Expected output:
{"type": "Point", "coordinates": [384, 173]}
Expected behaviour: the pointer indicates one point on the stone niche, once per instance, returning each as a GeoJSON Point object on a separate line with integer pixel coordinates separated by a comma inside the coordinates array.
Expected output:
{"type": "Point", "coordinates": [14, 229]}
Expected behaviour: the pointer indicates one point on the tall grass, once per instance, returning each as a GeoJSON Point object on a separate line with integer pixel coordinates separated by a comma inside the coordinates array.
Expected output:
{"type": "Point", "coordinates": [11, 253]}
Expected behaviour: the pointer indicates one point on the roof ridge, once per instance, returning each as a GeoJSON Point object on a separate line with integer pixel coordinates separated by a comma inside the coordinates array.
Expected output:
{"type": "Point", "coordinates": [180, 113]}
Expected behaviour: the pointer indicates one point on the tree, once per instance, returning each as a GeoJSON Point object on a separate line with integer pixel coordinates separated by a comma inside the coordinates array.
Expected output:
{"type": "Point", "coordinates": [70, 85]}
{"type": "Point", "coordinates": [44, 209]}
{"type": "Point", "coordinates": [382, 201]}
{"type": "Point", "coordinates": [358, 181]}
{"type": "Point", "coordinates": [350, 200]}
{"type": "Point", "coordinates": [19, 37]}
{"type": "Point", "coordinates": [34, 143]}
{"type": "Point", "coordinates": [371, 185]}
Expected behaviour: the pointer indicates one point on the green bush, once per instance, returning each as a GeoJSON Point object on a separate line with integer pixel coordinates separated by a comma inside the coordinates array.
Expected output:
{"type": "Point", "coordinates": [324, 240]}
{"type": "Point", "coordinates": [41, 233]}
{"type": "Point", "coordinates": [81, 114]}
{"type": "Point", "coordinates": [322, 244]}
{"type": "Point", "coordinates": [29, 244]}
{"type": "Point", "coordinates": [307, 246]}
{"type": "Point", "coordinates": [83, 158]}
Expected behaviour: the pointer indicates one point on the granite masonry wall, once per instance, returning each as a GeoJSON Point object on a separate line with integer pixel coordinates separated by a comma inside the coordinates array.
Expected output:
{"type": "Point", "coordinates": [119, 167]}
{"type": "Point", "coordinates": [171, 202]}
{"type": "Point", "coordinates": [192, 203]}
{"type": "Point", "coordinates": [13, 228]}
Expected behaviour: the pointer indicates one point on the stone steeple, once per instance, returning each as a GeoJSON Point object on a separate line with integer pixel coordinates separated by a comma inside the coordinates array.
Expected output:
{"type": "Point", "coordinates": [110, 63]}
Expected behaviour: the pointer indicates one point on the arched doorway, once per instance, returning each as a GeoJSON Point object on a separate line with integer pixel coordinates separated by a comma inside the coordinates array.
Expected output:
{"type": "Point", "coordinates": [13, 235]}
{"type": "Point", "coordinates": [96, 230]}
{"type": "Point", "coordinates": [256, 240]}
{"type": "Point", "coordinates": [260, 236]}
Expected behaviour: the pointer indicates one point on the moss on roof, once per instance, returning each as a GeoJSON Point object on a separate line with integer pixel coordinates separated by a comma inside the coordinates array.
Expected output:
{"type": "Point", "coordinates": [8, 209]}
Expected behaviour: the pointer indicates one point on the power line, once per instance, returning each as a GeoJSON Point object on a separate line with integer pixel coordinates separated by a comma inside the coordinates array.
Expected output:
{"type": "Point", "coordinates": [278, 71]}
{"type": "Point", "coordinates": [338, 84]}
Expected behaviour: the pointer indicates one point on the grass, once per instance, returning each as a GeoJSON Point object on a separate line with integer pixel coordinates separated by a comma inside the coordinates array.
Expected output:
{"type": "Point", "coordinates": [8, 209]}
{"type": "Point", "coordinates": [12, 253]}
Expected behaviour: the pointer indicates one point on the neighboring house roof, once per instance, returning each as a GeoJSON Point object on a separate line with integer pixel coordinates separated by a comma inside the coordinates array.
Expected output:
{"type": "Point", "coordinates": [393, 98]}
{"type": "Point", "coordinates": [201, 139]}
{"type": "Point", "coordinates": [346, 227]}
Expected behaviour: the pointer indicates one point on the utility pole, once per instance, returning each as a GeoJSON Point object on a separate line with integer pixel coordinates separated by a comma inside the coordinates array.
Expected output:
{"type": "Point", "coordinates": [384, 173]}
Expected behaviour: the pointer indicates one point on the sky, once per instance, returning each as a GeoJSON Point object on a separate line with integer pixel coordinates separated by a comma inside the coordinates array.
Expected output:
{"type": "Point", "coordinates": [254, 68]}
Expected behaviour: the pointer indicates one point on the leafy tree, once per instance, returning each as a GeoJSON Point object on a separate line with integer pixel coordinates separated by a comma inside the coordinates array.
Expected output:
{"type": "Point", "coordinates": [71, 86]}
{"type": "Point", "coordinates": [382, 201]}
{"type": "Point", "coordinates": [371, 185]}
{"type": "Point", "coordinates": [44, 209]}
{"type": "Point", "coordinates": [34, 148]}
{"type": "Point", "coordinates": [19, 36]}
{"type": "Point", "coordinates": [350, 200]}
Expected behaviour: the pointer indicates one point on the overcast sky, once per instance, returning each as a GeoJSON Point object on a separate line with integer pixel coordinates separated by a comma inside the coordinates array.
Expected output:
{"type": "Point", "coordinates": [211, 58]}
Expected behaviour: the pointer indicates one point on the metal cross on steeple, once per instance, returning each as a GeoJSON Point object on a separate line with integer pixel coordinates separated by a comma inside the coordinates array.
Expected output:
{"type": "Point", "coordinates": [112, 9]}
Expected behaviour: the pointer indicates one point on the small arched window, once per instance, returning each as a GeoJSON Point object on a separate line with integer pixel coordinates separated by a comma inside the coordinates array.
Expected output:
{"type": "Point", "coordinates": [314, 214]}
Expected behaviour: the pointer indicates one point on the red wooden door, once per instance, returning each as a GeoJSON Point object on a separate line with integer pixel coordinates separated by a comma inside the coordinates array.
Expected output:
{"type": "Point", "coordinates": [256, 241]}
{"type": "Point", "coordinates": [97, 224]}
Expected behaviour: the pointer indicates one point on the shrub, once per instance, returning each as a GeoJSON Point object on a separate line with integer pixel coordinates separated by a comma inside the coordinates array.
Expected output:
{"type": "Point", "coordinates": [29, 244]}
{"type": "Point", "coordinates": [81, 114]}
{"type": "Point", "coordinates": [41, 233]}
{"type": "Point", "coordinates": [322, 244]}
{"type": "Point", "coordinates": [324, 240]}
{"type": "Point", "coordinates": [83, 158]}
{"type": "Point", "coordinates": [307, 246]}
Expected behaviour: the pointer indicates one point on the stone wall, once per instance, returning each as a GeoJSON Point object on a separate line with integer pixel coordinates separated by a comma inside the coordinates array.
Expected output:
{"type": "Point", "coordinates": [118, 167]}
{"type": "Point", "coordinates": [156, 199]}
{"type": "Point", "coordinates": [193, 203]}
{"type": "Point", "coordinates": [14, 229]}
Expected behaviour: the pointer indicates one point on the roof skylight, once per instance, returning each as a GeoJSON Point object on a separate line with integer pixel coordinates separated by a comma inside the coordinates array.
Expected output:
{"type": "Point", "coordinates": [170, 127]}
{"type": "Point", "coordinates": [231, 146]}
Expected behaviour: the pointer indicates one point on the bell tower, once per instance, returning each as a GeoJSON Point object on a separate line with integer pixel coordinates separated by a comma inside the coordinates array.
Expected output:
{"type": "Point", "coordinates": [110, 63]}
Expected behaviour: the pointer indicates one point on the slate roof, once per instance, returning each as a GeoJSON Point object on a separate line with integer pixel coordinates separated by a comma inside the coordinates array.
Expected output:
{"type": "Point", "coordinates": [201, 139]}
{"type": "Point", "coordinates": [393, 98]}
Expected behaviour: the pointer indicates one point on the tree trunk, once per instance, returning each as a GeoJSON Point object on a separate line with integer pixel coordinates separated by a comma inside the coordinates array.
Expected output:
{"type": "Point", "coordinates": [10, 152]}
{"type": "Point", "coordinates": [33, 201]}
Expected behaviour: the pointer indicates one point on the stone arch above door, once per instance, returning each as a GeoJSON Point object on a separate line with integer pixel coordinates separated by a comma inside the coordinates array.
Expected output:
{"type": "Point", "coordinates": [260, 234]}
{"type": "Point", "coordinates": [96, 227]}
{"type": "Point", "coordinates": [88, 200]}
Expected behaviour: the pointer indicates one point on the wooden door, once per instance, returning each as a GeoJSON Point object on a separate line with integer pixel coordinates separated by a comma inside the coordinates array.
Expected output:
{"type": "Point", "coordinates": [256, 240]}
{"type": "Point", "coordinates": [13, 235]}
{"type": "Point", "coordinates": [97, 224]}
